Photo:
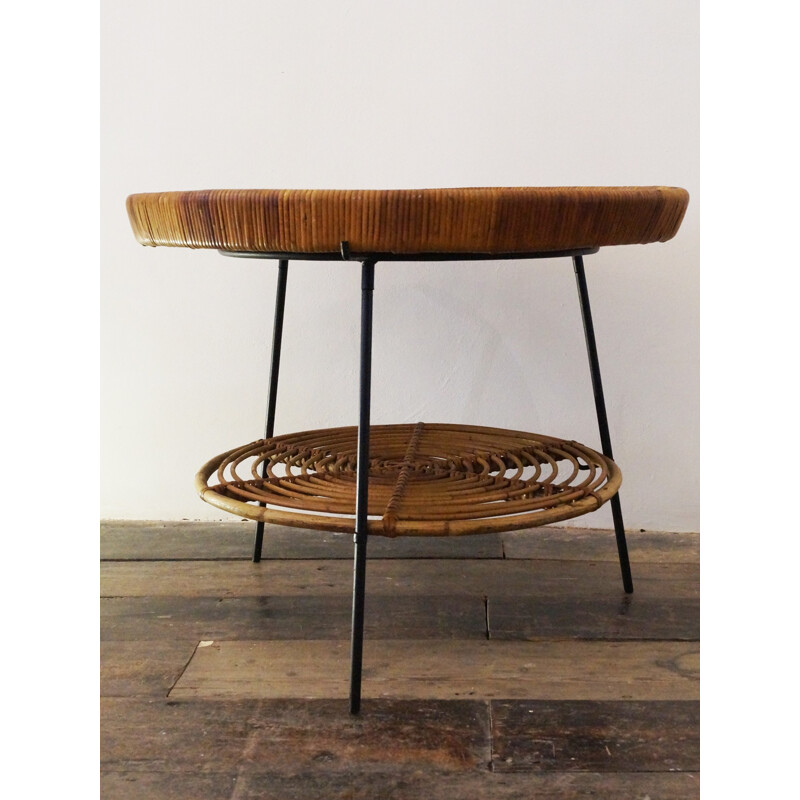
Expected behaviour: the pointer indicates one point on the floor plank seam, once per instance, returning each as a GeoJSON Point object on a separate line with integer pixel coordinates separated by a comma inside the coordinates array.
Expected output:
{"type": "Point", "coordinates": [183, 670]}
{"type": "Point", "coordinates": [232, 559]}
{"type": "Point", "coordinates": [348, 557]}
{"type": "Point", "coordinates": [598, 638]}
{"type": "Point", "coordinates": [240, 780]}
{"type": "Point", "coordinates": [490, 765]}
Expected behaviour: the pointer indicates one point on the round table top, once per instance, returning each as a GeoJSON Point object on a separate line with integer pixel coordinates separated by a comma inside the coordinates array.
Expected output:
{"type": "Point", "coordinates": [414, 222]}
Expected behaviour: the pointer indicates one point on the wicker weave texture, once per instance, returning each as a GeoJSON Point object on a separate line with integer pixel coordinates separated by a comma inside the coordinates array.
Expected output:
{"type": "Point", "coordinates": [479, 220]}
{"type": "Point", "coordinates": [424, 480]}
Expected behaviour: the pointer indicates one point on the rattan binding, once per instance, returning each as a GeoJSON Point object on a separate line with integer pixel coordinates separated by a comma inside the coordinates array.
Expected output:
{"type": "Point", "coordinates": [478, 220]}
{"type": "Point", "coordinates": [424, 479]}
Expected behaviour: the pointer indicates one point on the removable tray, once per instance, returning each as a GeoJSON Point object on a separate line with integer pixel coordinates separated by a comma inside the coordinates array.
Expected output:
{"type": "Point", "coordinates": [428, 479]}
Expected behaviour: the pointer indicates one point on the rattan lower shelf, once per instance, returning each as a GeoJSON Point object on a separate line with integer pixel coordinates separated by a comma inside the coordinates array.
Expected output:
{"type": "Point", "coordinates": [428, 479]}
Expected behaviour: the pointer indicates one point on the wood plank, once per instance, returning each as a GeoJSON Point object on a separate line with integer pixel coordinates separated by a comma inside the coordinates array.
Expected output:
{"type": "Point", "coordinates": [143, 667]}
{"type": "Point", "coordinates": [408, 784]}
{"type": "Point", "coordinates": [157, 735]}
{"type": "Point", "coordinates": [652, 736]}
{"type": "Point", "coordinates": [496, 578]}
{"type": "Point", "coordinates": [299, 749]}
{"type": "Point", "coordinates": [456, 669]}
{"type": "Point", "coordinates": [136, 541]}
{"type": "Point", "coordinates": [398, 784]}
{"type": "Point", "coordinates": [594, 544]}
{"type": "Point", "coordinates": [447, 617]}
{"type": "Point", "coordinates": [602, 617]}
{"type": "Point", "coordinates": [289, 617]}
{"type": "Point", "coordinates": [138, 785]}
{"type": "Point", "coordinates": [292, 736]}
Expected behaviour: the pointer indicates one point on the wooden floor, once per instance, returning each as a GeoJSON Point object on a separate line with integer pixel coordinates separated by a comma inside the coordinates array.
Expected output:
{"type": "Point", "coordinates": [499, 666]}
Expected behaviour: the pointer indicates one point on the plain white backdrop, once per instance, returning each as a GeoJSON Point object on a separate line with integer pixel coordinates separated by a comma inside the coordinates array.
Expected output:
{"type": "Point", "coordinates": [199, 94]}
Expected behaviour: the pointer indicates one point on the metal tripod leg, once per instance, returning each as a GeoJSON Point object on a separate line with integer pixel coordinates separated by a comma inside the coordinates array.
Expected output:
{"type": "Point", "coordinates": [277, 335]}
{"type": "Point", "coordinates": [602, 419]}
{"type": "Point", "coordinates": [362, 486]}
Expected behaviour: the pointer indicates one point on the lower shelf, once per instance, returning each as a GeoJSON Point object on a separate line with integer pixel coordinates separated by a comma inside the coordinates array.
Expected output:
{"type": "Point", "coordinates": [428, 479]}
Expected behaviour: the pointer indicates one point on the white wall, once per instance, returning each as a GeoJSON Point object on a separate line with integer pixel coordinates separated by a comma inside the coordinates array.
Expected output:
{"type": "Point", "coordinates": [201, 94]}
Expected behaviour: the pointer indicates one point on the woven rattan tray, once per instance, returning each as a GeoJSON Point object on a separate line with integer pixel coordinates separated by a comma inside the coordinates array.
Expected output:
{"type": "Point", "coordinates": [403, 221]}
{"type": "Point", "coordinates": [424, 479]}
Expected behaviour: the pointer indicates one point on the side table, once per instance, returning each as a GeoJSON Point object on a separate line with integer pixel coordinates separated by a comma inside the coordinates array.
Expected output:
{"type": "Point", "coordinates": [431, 479]}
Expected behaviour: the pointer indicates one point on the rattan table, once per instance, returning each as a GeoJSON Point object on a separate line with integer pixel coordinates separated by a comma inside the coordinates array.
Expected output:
{"type": "Point", "coordinates": [428, 479]}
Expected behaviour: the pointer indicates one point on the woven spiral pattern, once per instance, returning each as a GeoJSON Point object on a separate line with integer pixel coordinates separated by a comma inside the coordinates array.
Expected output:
{"type": "Point", "coordinates": [490, 221]}
{"type": "Point", "coordinates": [424, 479]}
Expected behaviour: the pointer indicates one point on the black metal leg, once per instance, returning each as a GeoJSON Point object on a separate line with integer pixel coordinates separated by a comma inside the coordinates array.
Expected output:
{"type": "Point", "coordinates": [362, 486]}
{"type": "Point", "coordinates": [602, 418]}
{"type": "Point", "coordinates": [277, 335]}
